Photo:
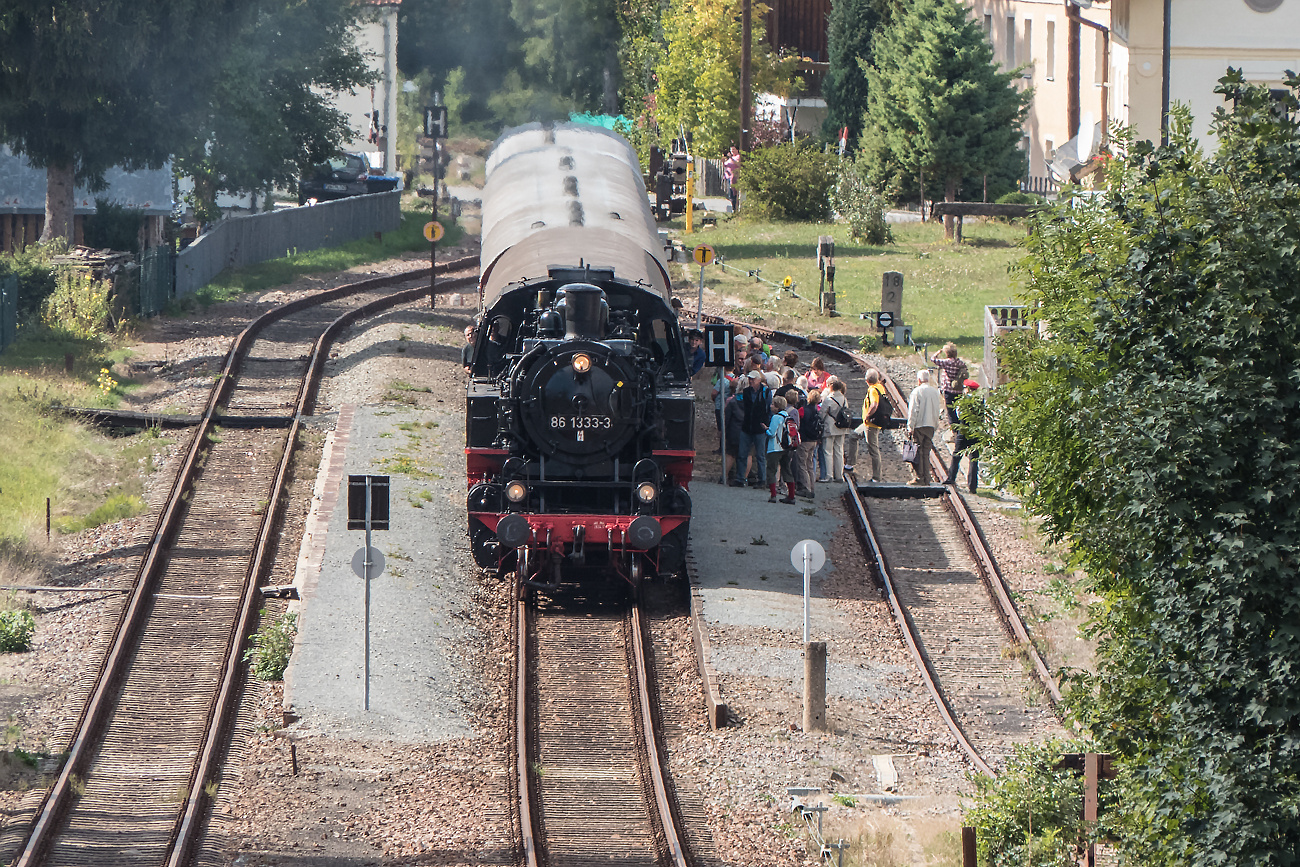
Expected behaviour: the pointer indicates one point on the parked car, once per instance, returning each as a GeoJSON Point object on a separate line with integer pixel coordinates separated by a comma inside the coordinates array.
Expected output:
{"type": "Point", "coordinates": [344, 175]}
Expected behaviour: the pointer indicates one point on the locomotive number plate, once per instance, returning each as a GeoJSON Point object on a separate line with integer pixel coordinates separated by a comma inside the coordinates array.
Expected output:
{"type": "Point", "coordinates": [580, 422]}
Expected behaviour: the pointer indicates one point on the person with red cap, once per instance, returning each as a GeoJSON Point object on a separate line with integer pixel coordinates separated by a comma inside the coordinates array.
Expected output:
{"type": "Point", "coordinates": [969, 414]}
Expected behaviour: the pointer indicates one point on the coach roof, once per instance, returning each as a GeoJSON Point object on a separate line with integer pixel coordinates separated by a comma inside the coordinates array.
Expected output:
{"type": "Point", "coordinates": [570, 176]}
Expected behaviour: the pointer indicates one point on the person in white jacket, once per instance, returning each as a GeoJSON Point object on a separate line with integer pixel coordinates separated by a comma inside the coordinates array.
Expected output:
{"type": "Point", "coordinates": [924, 407]}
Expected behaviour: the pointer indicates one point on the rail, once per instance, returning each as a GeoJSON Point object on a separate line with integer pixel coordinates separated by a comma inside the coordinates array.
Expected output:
{"type": "Point", "coordinates": [95, 713]}
{"type": "Point", "coordinates": [663, 813]}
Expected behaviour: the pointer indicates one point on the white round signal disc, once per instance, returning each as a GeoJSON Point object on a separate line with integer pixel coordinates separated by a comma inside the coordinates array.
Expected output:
{"type": "Point", "coordinates": [433, 231]}
{"type": "Point", "coordinates": [815, 552]}
{"type": "Point", "coordinates": [703, 255]}
{"type": "Point", "coordinates": [376, 562]}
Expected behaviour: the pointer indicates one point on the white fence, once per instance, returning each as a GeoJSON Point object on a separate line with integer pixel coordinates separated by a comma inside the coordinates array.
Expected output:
{"type": "Point", "coordinates": [240, 241]}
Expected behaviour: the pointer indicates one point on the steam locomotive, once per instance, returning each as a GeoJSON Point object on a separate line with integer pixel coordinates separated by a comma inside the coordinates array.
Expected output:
{"type": "Point", "coordinates": [580, 415]}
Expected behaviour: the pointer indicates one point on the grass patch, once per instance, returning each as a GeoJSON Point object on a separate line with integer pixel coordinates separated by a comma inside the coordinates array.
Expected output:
{"type": "Point", "coordinates": [405, 465]}
{"type": "Point", "coordinates": [409, 237]}
{"type": "Point", "coordinates": [88, 477]}
{"type": "Point", "coordinates": [946, 286]}
{"type": "Point", "coordinates": [116, 508]}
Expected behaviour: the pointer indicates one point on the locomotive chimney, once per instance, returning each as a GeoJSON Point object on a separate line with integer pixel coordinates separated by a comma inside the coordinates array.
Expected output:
{"type": "Point", "coordinates": [586, 312]}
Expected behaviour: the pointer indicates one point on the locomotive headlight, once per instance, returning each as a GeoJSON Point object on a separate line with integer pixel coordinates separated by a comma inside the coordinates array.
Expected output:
{"type": "Point", "coordinates": [646, 492]}
{"type": "Point", "coordinates": [581, 363]}
{"type": "Point", "coordinates": [516, 492]}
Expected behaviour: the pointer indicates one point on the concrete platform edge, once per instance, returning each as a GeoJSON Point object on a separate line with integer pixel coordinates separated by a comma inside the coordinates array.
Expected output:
{"type": "Point", "coordinates": [715, 706]}
{"type": "Point", "coordinates": [311, 553]}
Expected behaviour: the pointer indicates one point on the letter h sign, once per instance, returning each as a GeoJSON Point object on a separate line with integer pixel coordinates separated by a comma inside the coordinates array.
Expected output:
{"type": "Point", "coordinates": [717, 346]}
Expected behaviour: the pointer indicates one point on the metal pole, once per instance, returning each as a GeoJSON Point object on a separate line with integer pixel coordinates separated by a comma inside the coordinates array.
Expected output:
{"type": "Point", "coordinates": [807, 591]}
{"type": "Point", "coordinates": [366, 568]}
{"type": "Point", "coordinates": [722, 428]}
{"type": "Point", "coordinates": [746, 94]}
{"type": "Point", "coordinates": [699, 306]}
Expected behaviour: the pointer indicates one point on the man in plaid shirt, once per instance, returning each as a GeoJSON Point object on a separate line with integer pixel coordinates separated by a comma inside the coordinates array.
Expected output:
{"type": "Point", "coordinates": [952, 373]}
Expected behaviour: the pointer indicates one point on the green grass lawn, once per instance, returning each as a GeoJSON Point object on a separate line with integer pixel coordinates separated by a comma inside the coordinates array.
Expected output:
{"type": "Point", "coordinates": [946, 286]}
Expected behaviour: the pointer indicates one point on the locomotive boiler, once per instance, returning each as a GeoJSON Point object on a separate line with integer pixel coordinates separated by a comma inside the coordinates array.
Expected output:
{"type": "Point", "coordinates": [580, 415]}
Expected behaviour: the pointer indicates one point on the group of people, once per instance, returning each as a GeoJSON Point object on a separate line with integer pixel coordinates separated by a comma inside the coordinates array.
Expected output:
{"type": "Point", "coordinates": [788, 430]}
{"type": "Point", "coordinates": [925, 407]}
{"type": "Point", "coordinates": [785, 429]}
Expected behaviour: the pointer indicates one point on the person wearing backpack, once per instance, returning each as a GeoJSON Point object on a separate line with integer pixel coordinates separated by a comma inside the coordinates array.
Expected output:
{"type": "Point", "coordinates": [837, 425]}
{"type": "Point", "coordinates": [810, 437]}
{"type": "Point", "coordinates": [780, 452]}
{"type": "Point", "coordinates": [755, 399]}
{"type": "Point", "coordinates": [871, 405]}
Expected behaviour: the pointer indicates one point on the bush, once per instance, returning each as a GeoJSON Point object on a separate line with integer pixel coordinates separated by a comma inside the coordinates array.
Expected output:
{"type": "Point", "coordinates": [17, 627]}
{"type": "Point", "coordinates": [1019, 198]}
{"type": "Point", "coordinates": [35, 275]}
{"type": "Point", "coordinates": [114, 226]}
{"type": "Point", "coordinates": [1029, 814]}
{"type": "Point", "coordinates": [79, 305]}
{"type": "Point", "coordinates": [272, 645]}
{"type": "Point", "coordinates": [788, 182]}
{"type": "Point", "coordinates": [861, 206]}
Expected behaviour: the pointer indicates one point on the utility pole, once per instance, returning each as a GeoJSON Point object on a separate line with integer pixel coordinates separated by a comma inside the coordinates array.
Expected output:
{"type": "Point", "coordinates": [1072, 70]}
{"type": "Point", "coordinates": [746, 96]}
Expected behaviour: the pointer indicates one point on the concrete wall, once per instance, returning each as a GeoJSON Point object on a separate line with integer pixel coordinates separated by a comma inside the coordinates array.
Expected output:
{"type": "Point", "coordinates": [1207, 36]}
{"type": "Point", "coordinates": [240, 241]}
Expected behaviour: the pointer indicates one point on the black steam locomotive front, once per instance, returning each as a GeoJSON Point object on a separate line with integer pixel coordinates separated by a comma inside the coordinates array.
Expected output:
{"type": "Point", "coordinates": [579, 402]}
{"type": "Point", "coordinates": [580, 445]}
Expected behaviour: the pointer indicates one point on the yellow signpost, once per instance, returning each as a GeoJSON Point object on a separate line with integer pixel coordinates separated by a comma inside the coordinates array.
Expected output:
{"type": "Point", "coordinates": [433, 231]}
{"type": "Point", "coordinates": [433, 234]}
{"type": "Point", "coordinates": [703, 255]}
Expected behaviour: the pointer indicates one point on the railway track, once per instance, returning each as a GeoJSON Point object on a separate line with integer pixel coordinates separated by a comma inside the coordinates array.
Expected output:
{"type": "Point", "coordinates": [980, 676]}
{"type": "Point", "coordinates": [146, 752]}
{"type": "Point", "coordinates": [589, 780]}
{"type": "Point", "coordinates": [952, 606]}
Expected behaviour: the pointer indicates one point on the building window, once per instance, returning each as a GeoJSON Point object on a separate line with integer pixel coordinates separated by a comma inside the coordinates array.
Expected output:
{"type": "Point", "coordinates": [1119, 19]}
{"type": "Point", "coordinates": [1027, 49]}
{"type": "Point", "coordinates": [988, 27]}
{"type": "Point", "coordinates": [1050, 60]}
{"type": "Point", "coordinates": [1011, 41]}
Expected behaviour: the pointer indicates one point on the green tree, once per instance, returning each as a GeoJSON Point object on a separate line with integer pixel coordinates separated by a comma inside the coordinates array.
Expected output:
{"type": "Point", "coordinates": [699, 73]}
{"type": "Point", "coordinates": [849, 30]}
{"type": "Point", "coordinates": [1155, 418]}
{"type": "Point", "coordinates": [572, 47]}
{"type": "Point", "coordinates": [90, 84]}
{"type": "Point", "coordinates": [270, 114]}
{"type": "Point", "coordinates": [440, 36]}
{"type": "Point", "coordinates": [937, 105]}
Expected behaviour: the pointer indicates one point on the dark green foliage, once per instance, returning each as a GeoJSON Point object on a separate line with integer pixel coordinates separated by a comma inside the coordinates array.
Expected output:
{"type": "Point", "coordinates": [443, 35]}
{"type": "Point", "coordinates": [1158, 428]}
{"type": "Point", "coordinates": [788, 182]}
{"type": "Point", "coordinates": [937, 104]}
{"type": "Point", "coordinates": [269, 115]}
{"type": "Point", "coordinates": [17, 626]}
{"type": "Point", "coordinates": [113, 226]}
{"type": "Point", "coordinates": [99, 83]}
{"type": "Point", "coordinates": [35, 275]}
{"type": "Point", "coordinates": [1019, 198]}
{"type": "Point", "coordinates": [272, 645]}
{"type": "Point", "coordinates": [1030, 814]}
{"type": "Point", "coordinates": [848, 35]}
